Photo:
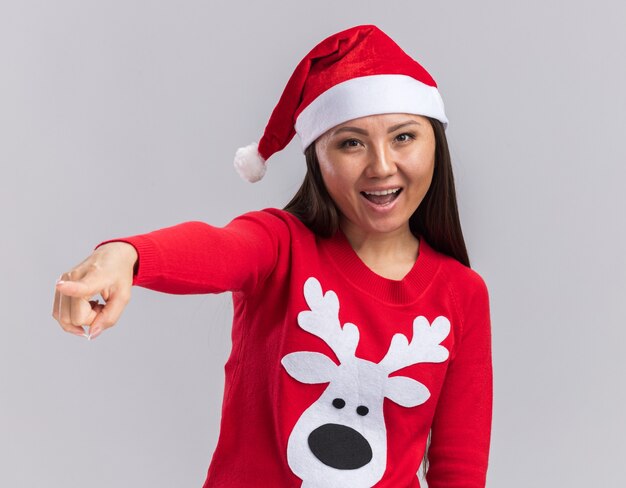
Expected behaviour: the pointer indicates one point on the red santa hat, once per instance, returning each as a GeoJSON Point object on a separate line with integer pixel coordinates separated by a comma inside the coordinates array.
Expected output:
{"type": "Point", "coordinates": [357, 72]}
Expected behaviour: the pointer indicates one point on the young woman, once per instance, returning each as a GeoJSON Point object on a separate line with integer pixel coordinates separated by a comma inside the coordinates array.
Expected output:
{"type": "Point", "coordinates": [359, 328]}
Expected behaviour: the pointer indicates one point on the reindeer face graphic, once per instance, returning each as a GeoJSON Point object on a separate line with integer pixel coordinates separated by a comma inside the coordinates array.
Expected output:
{"type": "Point", "coordinates": [341, 439]}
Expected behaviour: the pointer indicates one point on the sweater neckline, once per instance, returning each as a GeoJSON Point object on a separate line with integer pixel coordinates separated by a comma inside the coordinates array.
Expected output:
{"type": "Point", "coordinates": [348, 263]}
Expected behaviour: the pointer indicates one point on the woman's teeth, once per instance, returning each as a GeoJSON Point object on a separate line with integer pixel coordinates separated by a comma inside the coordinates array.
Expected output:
{"type": "Point", "coordinates": [383, 192]}
{"type": "Point", "coordinates": [383, 197]}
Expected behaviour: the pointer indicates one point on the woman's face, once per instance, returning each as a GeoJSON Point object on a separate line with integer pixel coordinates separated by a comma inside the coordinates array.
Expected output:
{"type": "Point", "coordinates": [377, 169]}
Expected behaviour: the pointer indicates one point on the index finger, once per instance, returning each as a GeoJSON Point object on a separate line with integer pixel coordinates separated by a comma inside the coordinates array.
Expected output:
{"type": "Point", "coordinates": [81, 288]}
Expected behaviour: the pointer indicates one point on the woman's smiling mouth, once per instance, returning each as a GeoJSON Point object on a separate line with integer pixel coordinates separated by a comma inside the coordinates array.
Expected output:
{"type": "Point", "coordinates": [382, 197]}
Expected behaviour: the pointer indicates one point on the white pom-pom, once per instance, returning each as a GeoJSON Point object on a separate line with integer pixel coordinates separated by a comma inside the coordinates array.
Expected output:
{"type": "Point", "coordinates": [249, 163]}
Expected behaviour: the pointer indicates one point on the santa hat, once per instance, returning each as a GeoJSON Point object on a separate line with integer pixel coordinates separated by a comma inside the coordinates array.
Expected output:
{"type": "Point", "coordinates": [357, 72]}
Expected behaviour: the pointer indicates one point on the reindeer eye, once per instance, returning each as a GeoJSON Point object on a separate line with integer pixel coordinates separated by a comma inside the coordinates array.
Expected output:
{"type": "Point", "coordinates": [339, 403]}
{"type": "Point", "coordinates": [362, 410]}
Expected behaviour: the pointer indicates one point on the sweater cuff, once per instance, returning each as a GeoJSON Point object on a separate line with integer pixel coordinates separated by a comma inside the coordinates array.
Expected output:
{"type": "Point", "coordinates": [146, 267]}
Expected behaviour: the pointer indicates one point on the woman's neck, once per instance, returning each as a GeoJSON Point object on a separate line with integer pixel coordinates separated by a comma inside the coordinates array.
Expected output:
{"type": "Point", "coordinates": [390, 254]}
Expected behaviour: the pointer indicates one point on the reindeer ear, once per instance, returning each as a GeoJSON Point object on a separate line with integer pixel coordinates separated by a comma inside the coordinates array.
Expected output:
{"type": "Point", "coordinates": [309, 367]}
{"type": "Point", "coordinates": [406, 391]}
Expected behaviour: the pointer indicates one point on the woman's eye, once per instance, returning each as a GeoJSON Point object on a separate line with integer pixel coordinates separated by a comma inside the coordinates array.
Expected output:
{"type": "Point", "coordinates": [350, 143]}
{"type": "Point", "coordinates": [405, 137]}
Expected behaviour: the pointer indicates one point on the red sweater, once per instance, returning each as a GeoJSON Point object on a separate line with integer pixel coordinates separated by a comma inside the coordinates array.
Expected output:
{"type": "Point", "coordinates": [336, 374]}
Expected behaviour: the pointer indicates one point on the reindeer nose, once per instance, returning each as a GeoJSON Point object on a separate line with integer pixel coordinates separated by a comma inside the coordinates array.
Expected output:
{"type": "Point", "coordinates": [339, 446]}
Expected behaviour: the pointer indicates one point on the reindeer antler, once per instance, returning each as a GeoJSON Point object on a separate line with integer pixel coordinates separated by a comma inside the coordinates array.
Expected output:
{"type": "Point", "coordinates": [424, 347]}
{"type": "Point", "coordinates": [323, 321]}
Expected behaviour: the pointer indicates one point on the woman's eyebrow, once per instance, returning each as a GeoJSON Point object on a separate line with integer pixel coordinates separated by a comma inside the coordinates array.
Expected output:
{"type": "Point", "coordinates": [350, 129]}
{"type": "Point", "coordinates": [358, 130]}
{"type": "Point", "coordinates": [403, 124]}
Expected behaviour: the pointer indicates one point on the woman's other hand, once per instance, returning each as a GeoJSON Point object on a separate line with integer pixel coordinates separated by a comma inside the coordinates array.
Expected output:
{"type": "Point", "coordinates": [108, 272]}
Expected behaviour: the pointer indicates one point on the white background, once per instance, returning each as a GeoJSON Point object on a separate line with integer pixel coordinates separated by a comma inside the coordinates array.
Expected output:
{"type": "Point", "coordinates": [120, 117]}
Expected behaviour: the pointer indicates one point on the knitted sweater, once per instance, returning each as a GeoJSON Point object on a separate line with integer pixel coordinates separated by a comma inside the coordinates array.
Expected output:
{"type": "Point", "coordinates": [336, 374]}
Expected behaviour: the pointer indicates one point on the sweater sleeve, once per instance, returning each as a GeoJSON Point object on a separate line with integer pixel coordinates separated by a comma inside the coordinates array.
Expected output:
{"type": "Point", "coordinates": [461, 428]}
{"type": "Point", "coordinates": [195, 257]}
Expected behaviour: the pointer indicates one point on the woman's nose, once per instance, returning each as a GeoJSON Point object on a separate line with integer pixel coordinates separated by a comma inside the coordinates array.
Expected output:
{"type": "Point", "coordinates": [381, 163]}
